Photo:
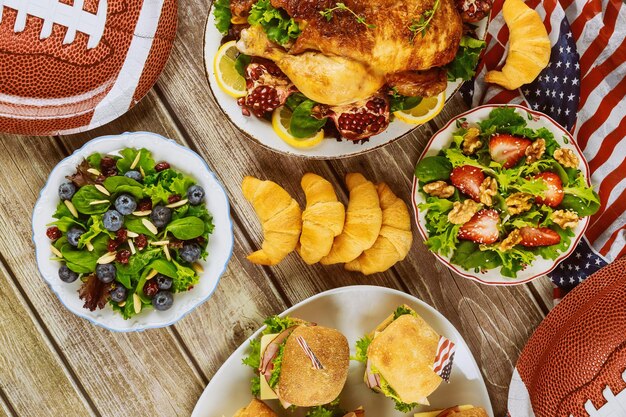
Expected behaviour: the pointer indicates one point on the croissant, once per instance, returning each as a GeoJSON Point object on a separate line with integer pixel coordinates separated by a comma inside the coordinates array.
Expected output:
{"type": "Point", "coordinates": [395, 238]}
{"type": "Point", "coordinates": [529, 47]}
{"type": "Point", "coordinates": [322, 219]}
{"type": "Point", "coordinates": [280, 216]}
{"type": "Point", "coordinates": [363, 220]}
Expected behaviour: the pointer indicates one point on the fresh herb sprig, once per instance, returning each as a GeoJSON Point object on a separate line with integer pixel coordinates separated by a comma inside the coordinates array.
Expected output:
{"type": "Point", "coordinates": [421, 25]}
{"type": "Point", "coordinates": [328, 14]}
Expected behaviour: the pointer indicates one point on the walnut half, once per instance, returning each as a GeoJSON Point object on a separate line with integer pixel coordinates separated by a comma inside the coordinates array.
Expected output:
{"type": "Point", "coordinates": [461, 213]}
{"type": "Point", "coordinates": [439, 189]}
{"type": "Point", "coordinates": [518, 203]}
{"type": "Point", "coordinates": [488, 189]}
{"type": "Point", "coordinates": [471, 142]}
{"type": "Point", "coordinates": [566, 157]}
{"type": "Point", "coordinates": [535, 151]}
{"type": "Point", "coordinates": [565, 218]}
{"type": "Point", "coordinates": [511, 240]}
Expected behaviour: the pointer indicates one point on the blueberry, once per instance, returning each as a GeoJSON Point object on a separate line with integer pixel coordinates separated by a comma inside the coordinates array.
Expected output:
{"type": "Point", "coordinates": [195, 195]}
{"type": "Point", "coordinates": [125, 204]}
{"type": "Point", "coordinates": [67, 275]}
{"type": "Point", "coordinates": [106, 273]}
{"type": "Point", "coordinates": [113, 220]}
{"type": "Point", "coordinates": [67, 190]}
{"type": "Point", "coordinates": [164, 282]}
{"type": "Point", "coordinates": [161, 216]}
{"type": "Point", "coordinates": [190, 252]}
{"type": "Point", "coordinates": [73, 235]}
{"type": "Point", "coordinates": [134, 175]}
{"type": "Point", "coordinates": [163, 300]}
{"type": "Point", "coordinates": [119, 293]}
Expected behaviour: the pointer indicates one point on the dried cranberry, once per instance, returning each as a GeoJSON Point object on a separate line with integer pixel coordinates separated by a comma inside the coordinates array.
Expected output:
{"type": "Point", "coordinates": [141, 242]}
{"type": "Point", "coordinates": [161, 166]}
{"type": "Point", "coordinates": [121, 235]}
{"type": "Point", "coordinates": [175, 243]}
{"type": "Point", "coordinates": [200, 240]}
{"type": "Point", "coordinates": [107, 163]}
{"type": "Point", "coordinates": [53, 233]}
{"type": "Point", "coordinates": [112, 245]}
{"type": "Point", "coordinates": [151, 288]}
{"type": "Point", "coordinates": [123, 256]}
{"type": "Point", "coordinates": [144, 205]}
{"type": "Point", "coordinates": [173, 199]}
{"type": "Point", "coordinates": [100, 179]}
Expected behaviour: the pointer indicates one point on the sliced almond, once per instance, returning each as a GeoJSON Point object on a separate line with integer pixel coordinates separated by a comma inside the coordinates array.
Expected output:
{"type": "Point", "coordinates": [196, 266]}
{"type": "Point", "coordinates": [107, 258]}
{"type": "Point", "coordinates": [166, 250]}
{"type": "Point", "coordinates": [136, 161]}
{"type": "Point", "coordinates": [150, 226]}
{"type": "Point", "coordinates": [136, 303]}
{"type": "Point", "coordinates": [102, 189]}
{"type": "Point", "coordinates": [131, 234]}
{"type": "Point", "coordinates": [89, 246]}
{"type": "Point", "coordinates": [177, 204]}
{"type": "Point", "coordinates": [121, 304]}
{"type": "Point", "coordinates": [152, 274]}
{"type": "Point", "coordinates": [71, 208]}
{"type": "Point", "coordinates": [160, 243]}
{"type": "Point", "coordinates": [94, 172]}
{"type": "Point", "coordinates": [96, 202]}
{"type": "Point", "coordinates": [56, 252]}
{"type": "Point", "coordinates": [143, 174]}
{"type": "Point", "coordinates": [142, 213]}
{"type": "Point", "coordinates": [131, 245]}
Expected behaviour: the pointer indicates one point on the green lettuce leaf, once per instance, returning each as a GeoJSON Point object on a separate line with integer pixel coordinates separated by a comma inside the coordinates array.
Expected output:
{"type": "Point", "coordinates": [361, 349]}
{"type": "Point", "coordinates": [464, 64]}
{"type": "Point", "coordinates": [222, 14]}
{"type": "Point", "coordinates": [128, 157]}
{"type": "Point", "coordinates": [278, 27]}
{"type": "Point", "coordinates": [185, 278]}
{"type": "Point", "coordinates": [86, 195]}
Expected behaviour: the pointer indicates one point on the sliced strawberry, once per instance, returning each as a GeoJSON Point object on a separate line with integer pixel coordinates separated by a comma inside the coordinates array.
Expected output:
{"type": "Point", "coordinates": [468, 179]}
{"type": "Point", "coordinates": [507, 150]}
{"type": "Point", "coordinates": [538, 236]}
{"type": "Point", "coordinates": [482, 227]}
{"type": "Point", "coordinates": [554, 194]}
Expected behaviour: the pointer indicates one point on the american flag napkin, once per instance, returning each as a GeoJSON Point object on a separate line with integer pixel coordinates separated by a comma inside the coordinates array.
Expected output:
{"type": "Point", "coordinates": [584, 89]}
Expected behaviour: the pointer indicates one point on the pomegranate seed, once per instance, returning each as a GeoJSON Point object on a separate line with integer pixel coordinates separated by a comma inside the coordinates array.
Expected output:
{"type": "Point", "coordinates": [112, 245]}
{"type": "Point", "coordinates": [145, 205]}
{"type": "Point", "coordinates": [53, 233]}
{"type": "Point", "coordinates": [141, 242]}
{"type": "Point", "coordinates": [121, 235]}
{"type": "Point", "coordinates": [123, 256]}
{"type": "Point", "coordinates": [173, 199]}
{"type": "Point", "coordinates": [151, 288]}
{"type": "Point", "coordinates": [161, 166]}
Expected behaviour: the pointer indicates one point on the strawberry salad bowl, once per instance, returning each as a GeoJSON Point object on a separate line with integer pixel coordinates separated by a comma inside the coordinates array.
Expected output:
{"type": "Point", "coordinates": [502, 194]}
{"type": "Point", "coordinates": [132, 231]}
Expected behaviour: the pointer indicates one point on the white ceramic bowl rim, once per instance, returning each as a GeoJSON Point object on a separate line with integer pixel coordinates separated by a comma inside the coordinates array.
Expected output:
{"type": "Point", "coordinates": [191, 307]}
{"type": "Point", "coordinates": [469, 274]}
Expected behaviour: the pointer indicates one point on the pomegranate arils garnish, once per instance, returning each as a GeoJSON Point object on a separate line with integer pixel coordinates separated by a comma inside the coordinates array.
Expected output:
{"type": "Point", "coordinates": [161, 166]}
{"type": "Point", "coordinates": [268, 88]}
{"type": "Point", "coordinates": [361, 120]}
{"type": "Point", "coordinates": [53, 233]}
{"type": "Point", "coordinates": [123, 256]}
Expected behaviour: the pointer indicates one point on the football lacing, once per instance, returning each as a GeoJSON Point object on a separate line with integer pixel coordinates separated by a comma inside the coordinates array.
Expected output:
{"type": "Point", "coordinates": [615, 405]}
{"type": "Point", "coordinates": [74, 18]}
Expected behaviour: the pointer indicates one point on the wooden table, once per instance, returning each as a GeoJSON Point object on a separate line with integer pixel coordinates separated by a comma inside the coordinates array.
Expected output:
{"type": "Point", "coordinates": [55, 364]}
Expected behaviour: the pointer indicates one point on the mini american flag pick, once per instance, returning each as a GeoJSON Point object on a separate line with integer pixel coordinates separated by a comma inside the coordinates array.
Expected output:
{"type": "Point", "coordinates": [444, 358]}
{"type": "Point", "coordinates": [309, 353]}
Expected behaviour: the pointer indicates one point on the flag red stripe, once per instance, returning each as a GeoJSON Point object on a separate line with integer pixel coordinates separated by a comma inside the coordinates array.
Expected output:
{"type": "Point", "coordinates": [597, 46]}
{"type": "Point", "coordinates": [608, 146]}
{"type": "Point", "coordinates": [590, 9]}
{"type": "Point", "coordinates": [607, 215]}
{"type": "Point", "coordinates": [607, 246]}
{"type": "Point", "coordinates": [549, 7]}
{"type": "Point", "coordinates": [566, 3]}
{"type": "Point", "coordinates": [442, 362]}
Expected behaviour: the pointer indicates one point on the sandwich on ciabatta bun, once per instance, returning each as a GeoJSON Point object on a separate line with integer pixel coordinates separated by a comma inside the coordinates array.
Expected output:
{"type": "Point", "coordinates": [256, 408]}
{"type": "Point", "coordinates": [333, 410]}
{"type": "Point", "coordinates": [405, 358]}
{"type": "Point", "coordinates": [456, 411]}
{"type": "Point", "coordinates": [299, 363]}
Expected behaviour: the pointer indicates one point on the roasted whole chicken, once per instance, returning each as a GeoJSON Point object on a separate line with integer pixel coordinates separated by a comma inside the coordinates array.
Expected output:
{"type": "Point", "coordinates": [348, 56]}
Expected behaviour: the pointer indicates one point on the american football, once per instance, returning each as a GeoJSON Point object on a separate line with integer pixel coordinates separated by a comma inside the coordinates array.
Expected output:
{"type": "Point", "coordinates": [575, 362]}
{"type": "Point", "coordinates": [73, 65]}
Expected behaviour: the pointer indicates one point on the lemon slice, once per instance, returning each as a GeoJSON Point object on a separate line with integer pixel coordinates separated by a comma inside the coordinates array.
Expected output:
{"type": "Point", "coordinates": [229, 80]}
{"type": "Point", "coordinates": [281, 119]}
{"type": "Point", "coordinates": [428, 108]}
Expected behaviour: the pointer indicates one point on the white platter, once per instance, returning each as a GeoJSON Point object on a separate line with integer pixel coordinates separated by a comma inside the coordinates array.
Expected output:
{"type": "Point", "coordinates": [443, 138]}
{"type": "Point", "coordinates": [355, 311]}
{"type": "Point", "coordinates": [219, 246]}
{"type": "Point", "coordinates": [261, 132]}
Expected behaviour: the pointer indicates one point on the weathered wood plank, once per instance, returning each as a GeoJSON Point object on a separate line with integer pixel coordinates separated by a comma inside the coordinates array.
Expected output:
{"type": "Point", "coordinates": [29, 368]}
{"type": "Point", "coordinates": [145, 367]}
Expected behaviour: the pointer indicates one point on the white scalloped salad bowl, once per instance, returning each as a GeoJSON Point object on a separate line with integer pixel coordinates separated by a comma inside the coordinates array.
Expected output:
{"type": "Point", "coordinates": [261, 131]}
{"type": "Point", "coordinates": [443, 138]}
{"type": "Point", "coordinates": [219, 246]}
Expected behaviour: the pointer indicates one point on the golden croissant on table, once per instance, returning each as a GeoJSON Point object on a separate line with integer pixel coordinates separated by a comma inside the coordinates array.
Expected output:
{"type": "Point", "coordinates": [370, 236]}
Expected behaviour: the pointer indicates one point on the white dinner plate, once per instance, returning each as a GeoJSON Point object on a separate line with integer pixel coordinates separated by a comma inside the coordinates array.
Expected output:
{"type": "Point", "coordinates": [355, 311]}
{"type": "Point", "coordinates": [261, 131]}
